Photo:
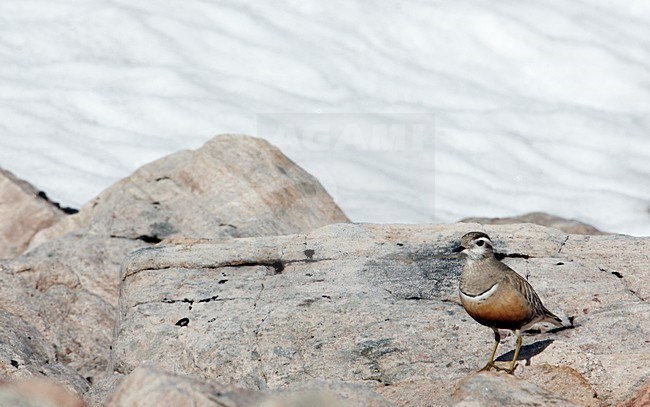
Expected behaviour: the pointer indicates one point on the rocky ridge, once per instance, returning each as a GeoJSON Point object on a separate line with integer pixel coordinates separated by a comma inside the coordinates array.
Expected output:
{"type": "Point", "coordinates": [224, 276]}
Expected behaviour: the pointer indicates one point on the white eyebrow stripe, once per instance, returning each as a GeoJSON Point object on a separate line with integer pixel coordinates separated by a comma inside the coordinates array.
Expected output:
{"type": "Point", "coordinates": [481, 297]}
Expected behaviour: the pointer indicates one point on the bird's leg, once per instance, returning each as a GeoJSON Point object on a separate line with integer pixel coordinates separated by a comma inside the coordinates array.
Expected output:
{"type": "Point", "coordinates": [490, 363]}
{"type": "Point", "coordinates": [513, 366]}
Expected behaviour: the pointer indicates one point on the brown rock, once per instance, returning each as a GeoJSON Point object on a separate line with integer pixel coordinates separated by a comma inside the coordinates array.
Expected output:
{"type": "Point", "coordinates": [564, 381]}
{"type": "Point", "coordinates": [501, 389]}
{"type": "Point", "coordinates": [640, 399]}
{"type": "Point", "coordinates": [544, 219]}
{"type": "Point", "coordinates": [23, 213]}
{"type": "Point", "coordinates": [418, 393]}
{"type": "Point", "coordinates": [232, 186]}
{"type": "Point", "coordinates": [37, 393]}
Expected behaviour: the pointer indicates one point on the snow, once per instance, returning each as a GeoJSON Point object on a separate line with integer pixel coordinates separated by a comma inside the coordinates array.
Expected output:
{"type": "Point", "coordinates": [405, 111]}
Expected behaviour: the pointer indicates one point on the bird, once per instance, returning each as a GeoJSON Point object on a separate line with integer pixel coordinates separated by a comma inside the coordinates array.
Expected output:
{"type": "Point", "coordinates": [496, 296]}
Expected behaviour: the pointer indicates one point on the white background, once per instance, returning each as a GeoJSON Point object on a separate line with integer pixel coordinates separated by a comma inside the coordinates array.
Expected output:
{"type": "Point", "coordinates": [526, 105]}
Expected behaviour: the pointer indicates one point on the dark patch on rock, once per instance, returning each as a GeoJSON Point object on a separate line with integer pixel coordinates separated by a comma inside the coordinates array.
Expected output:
{"type": "Point", "coordinates": [149, 239]}
{"type": "Point", "coordinates": [426, 274]}
{"type": "Point", "coordinates": [501, 256]}
{"type": "Point", "coordinates": [162, 229]}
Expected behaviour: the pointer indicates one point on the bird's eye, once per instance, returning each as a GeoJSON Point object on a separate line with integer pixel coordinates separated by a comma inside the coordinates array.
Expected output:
{"type": "Point", "coordinates": [480, 243]}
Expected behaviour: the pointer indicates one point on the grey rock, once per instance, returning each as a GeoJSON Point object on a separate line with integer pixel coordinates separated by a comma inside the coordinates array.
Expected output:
{"type": "Point", "coordinates": [149, 386]}
{"type": "Point", "coordinates": [489, 389]}
{"type": "Point", "coordinates": [71, 292]}
{"type": "Point", "coordinates": [375, 305]}
{"type": "Point", "coordinates": [571, 226]}
{"type": "Point", "coordinates": [25, 352]}
{"type": "Point", "coordinates": [626, 258]}
{"type": "Point", "coordinates": [23, 213]}
{"type": "Point", "coordinates": [102, 389]}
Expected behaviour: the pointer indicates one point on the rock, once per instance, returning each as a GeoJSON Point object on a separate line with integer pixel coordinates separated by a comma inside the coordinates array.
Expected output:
{"type": "Point", "coordinates": [232, 186]}
{"type": "Point", "coordinates": [418, 393]}
{"type": "Point", "coordinates": [229, 297]}
{"type": "Point", "coordinates": [26, 349]}
{"type": "Point", "coordinates": [150, 386]}
{"type": "Point", "coordinates": [23, 213]}
{"type": "Point", "coordinates": [500, 389]}
{"type": "Point", "coordinates": [544, 219]}
{"type": "Point", "coordinates": [562, 380]}
{"type": "Point", "coordinates": [37, 393]}
{"type": "Point", "coordinates": [102, 389]}
{"type": "Point", "coordinates": [375, 305]}
{"type": "Point", "coordinates": [154, 387]}
{"type": "Point", "coordinates": [640, 399]}
{"type": "Point", "coordinates": [627, 258]}
{"type": "Point", "coordinates": [326, 393]}
{"type": "Point", "coordinates": [71, 296]}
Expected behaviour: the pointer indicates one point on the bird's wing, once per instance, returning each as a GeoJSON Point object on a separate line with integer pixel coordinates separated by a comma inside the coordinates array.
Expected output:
{"type": "Point", "coordinates": [528, 292]}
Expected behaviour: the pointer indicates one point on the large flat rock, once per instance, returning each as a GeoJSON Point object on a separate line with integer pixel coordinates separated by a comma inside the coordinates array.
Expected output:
{"type": "Point", "coordinates": [377, 305]}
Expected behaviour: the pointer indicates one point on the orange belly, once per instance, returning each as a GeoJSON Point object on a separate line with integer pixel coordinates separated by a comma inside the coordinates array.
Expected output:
{"type": "Point", "coordinates": [505, 309]}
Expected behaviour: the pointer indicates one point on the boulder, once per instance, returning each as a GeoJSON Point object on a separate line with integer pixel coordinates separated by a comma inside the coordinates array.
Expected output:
{"type": "Point", "coordinates": [24, 211]}
{"type": "Point", "coordinates": [232, 186]}
{"type": "Point", "coordinates": [376, 306]}
{"type": "Point", "coordinates": [571, 226]}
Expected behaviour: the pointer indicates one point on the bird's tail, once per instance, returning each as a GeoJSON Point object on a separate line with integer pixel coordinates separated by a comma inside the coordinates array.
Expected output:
{"type": "Point", "coordinates": [551, 318]}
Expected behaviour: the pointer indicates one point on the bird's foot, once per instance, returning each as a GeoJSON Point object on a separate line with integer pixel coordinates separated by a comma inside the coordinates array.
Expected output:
{"type": "Point", "coordinates": [510, 370]}
{"type": "Point", "coordinates": [489, 366]}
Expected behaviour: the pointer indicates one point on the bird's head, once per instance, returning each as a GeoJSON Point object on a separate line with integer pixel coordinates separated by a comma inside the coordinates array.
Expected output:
{"type": "Point", "coordinates": [475, 245]}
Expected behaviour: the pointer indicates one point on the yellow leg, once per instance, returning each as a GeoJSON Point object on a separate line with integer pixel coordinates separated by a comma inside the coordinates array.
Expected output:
{"type": "Point", "coordinates": [513, 366]}
{"type": "Point", "coordinates": [490, 363]}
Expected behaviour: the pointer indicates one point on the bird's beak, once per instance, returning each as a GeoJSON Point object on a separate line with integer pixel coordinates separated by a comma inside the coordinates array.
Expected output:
{"type": "Point", "coordinates": [458, 249]}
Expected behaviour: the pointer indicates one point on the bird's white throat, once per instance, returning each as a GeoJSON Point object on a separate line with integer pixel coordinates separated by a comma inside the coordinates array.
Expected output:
{"type": "Point", "coordinates": [481, 297]}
